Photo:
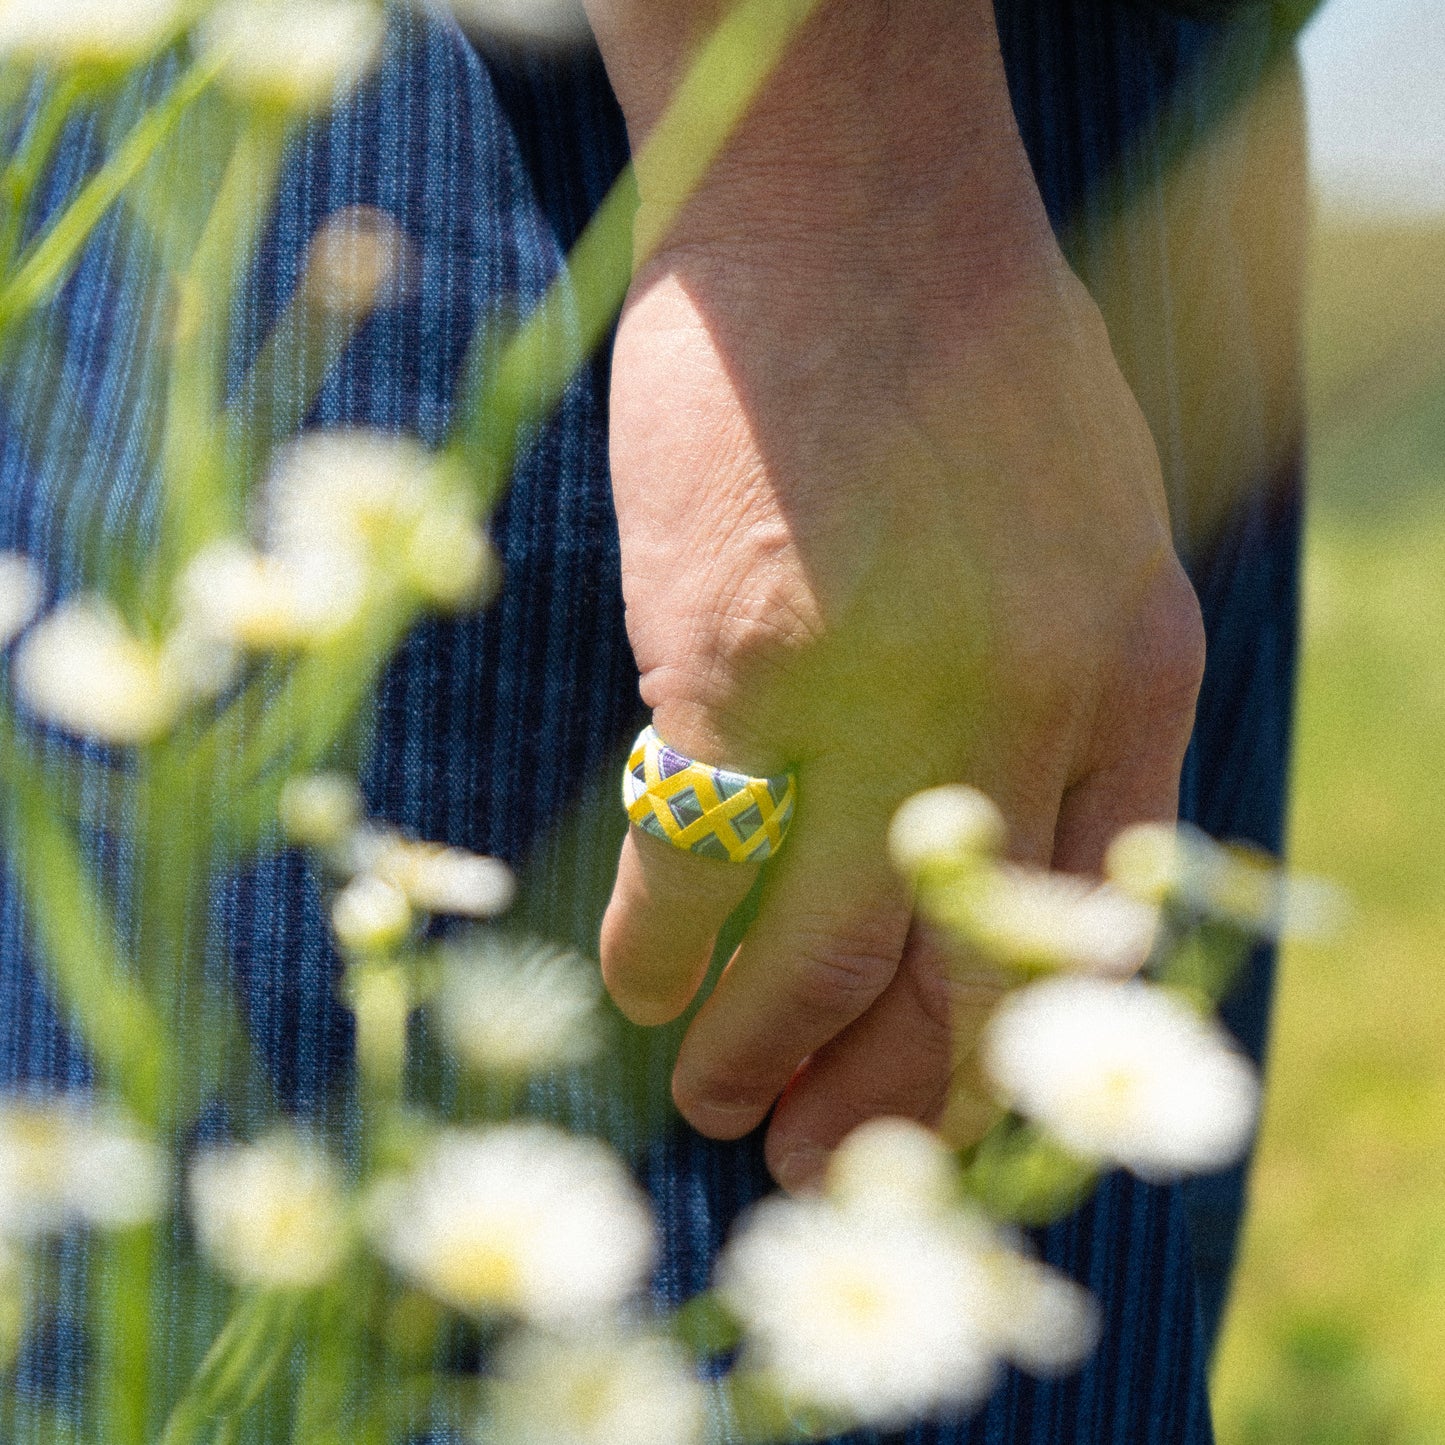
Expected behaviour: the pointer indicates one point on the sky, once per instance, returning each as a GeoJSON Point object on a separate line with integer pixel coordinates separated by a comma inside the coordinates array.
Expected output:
{"type": "Point", "coordinates": [1375, 77]}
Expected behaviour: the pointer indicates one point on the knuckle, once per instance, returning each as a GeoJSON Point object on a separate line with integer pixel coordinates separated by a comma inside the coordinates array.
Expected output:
{"type": "Point", "coordinates": [1170, 644]}
{"type": "Point", "coordinates": [933, 1005]}
{"type": "Point", "coordinates": [839, 978]}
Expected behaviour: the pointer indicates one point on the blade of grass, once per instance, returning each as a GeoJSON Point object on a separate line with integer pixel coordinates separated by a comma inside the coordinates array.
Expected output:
{"type": "Point", "coordinates": [27, 165]}
{"type": "Point", "coordinates": [46, 264]}
{"type": "Point", "coordinates": [80, 943]}
{"type": "Point", "coordinates": [532, 370]}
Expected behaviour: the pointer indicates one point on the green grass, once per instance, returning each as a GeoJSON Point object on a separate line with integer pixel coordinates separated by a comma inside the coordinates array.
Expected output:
{"type": "Point", "coordinates": [1337, 1331]}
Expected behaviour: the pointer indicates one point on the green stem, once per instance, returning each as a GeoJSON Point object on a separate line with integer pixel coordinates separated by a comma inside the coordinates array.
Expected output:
{"type": "Point", "coordinates": [27, 165]}
{"type": "Point", "coordinates": [124, 1326]}
{"type": "Point", "coordinates": [45, 265]}
{"type": "Point", "coordinates": [199, 508]}
{"type": "Point", "coordinates": [80, 943]}
{"type": "Point", "coordinates": [238, 1366]}
{"type": "Point", "coordinates": [381, 1001]}
{"type": "Point", "coordinates": [296, 725]}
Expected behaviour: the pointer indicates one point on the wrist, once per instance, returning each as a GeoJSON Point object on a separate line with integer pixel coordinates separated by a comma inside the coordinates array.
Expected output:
{"type": "Point", "coordinates": [884, 139]}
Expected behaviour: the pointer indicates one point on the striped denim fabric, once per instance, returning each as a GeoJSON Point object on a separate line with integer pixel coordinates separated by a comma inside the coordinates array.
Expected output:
{"type": "Point", "coordinates": [504, 732]}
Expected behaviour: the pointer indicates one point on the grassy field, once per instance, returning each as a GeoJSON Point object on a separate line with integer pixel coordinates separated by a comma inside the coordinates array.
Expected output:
{"type": "Point", "coordinates": [1337, 1331]}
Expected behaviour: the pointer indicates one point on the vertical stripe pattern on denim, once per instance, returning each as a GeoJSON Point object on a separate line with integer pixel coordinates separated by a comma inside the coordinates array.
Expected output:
{"type": "Point", "coordinates": [504, 732]}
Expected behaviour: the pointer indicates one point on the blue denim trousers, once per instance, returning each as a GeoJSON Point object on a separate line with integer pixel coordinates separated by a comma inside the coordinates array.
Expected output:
{"type": "Point", "coordinates": [1169, 153]}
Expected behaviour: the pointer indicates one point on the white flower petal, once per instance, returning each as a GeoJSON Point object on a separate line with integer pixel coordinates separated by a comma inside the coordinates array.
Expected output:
{"type": "Point", "coordinates": [262, 602]}
{"type": "Point", "coordinates": [604, 1389]}
{"type": "Point", "coordinates": [21, 591]}
{"type": "Point", "coordinates": [1041, 1320]}
{"type": "Point", "coordinates": [1029, 918]}
{"type": "Point", "coordinates": [449, 881]}
{"type": "Point", "coordinates": [65, 1162]}
{"type": "Point", "coordinates": [945, 827]}
{"type": "Point", "coordinates": [1123, 1074]}
{"type": "Point", "coordinates": [319, 810]}
{"type": "Point", "coordinates": [86, 32]}
{"type": "Point", "coordinates": [270, 1214]}
{"type": "Point", "coordinates": [343, 501]}
{"type": "Point", "coordinates": [371, 915]}
{"type": "Point", "coordinates": [293, 54]}
{"type": "Point", "coordinates": [519, 1219]}
{"type": "Point", "coordinates": [82, 669]}
{"type": "Point", "coordinates": [879, 1317]}
{"type": "Point", "coordinates": [518, 1007]}
{"type": "Point", "coordinates": [893, 1165]}
{"type": "Point", "coordinates": [1236, 884]}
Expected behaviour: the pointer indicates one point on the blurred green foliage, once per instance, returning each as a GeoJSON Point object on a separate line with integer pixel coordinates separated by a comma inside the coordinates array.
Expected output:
{"type": "Point", "coordinates": [1337, 1330]}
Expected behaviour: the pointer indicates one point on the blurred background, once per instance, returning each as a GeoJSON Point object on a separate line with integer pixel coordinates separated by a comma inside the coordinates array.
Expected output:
{"type": "Point", "coordinates": [1336, 1335]}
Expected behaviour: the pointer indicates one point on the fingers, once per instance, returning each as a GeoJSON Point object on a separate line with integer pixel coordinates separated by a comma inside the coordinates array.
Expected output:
{"type": "Point", "coordinates": [1141, 733]}
{"type": "Point", "coordinates": [1140, 786]}
{"type": "Point", "coordinates": [1106, 802]}
{"type": "Point", "coordinates": [661, 923]}
{"type": "Point", "coordinates": [827, 940]}
{"type": "Point", "coordinates": [912, 1055]}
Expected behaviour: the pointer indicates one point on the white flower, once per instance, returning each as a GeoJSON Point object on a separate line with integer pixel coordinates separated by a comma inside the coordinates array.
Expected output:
{"type": "Point", "coordinates": [1039, 1319]}
{"type": "Point", "coordinates": [944, 828]}
{"type": "Point", "coordinates": [519, 1007]}
{"type": "Point", "coordinates": [319, 810]}
{"type": "Point", "coordinates": [1240, 885]}
{"type": "Point", "coordinates": [63, 1163]}
{"type": "Point", "coordinates": [293, 54]}
{"type": "Point", "coordinates": [262, 602]}
{"type": "Point", "coordinates": [893, 1164]}
{"type": "Point", "coordinates": [20, 593]}
{"type": "Point", "coordinates": [434, 877]}
{"type": "Point", "coordinates": [1152, 861]}
{"type": "Point", "coordinates": [887, 1297]}
{"type": "Point", "coordinates": [99, 33]}
{"type": "Point", "coordinates": [348, 503]}
{"type": "Point", "coordinates": [1122, 1073]}
{"type": "Point", "coordinates": [1032, 919]}
{"type": "Point", "coordinates": [270, 1214]}
{"type": "Point", "coordinates": [1033, 1315]}
{"type": "Point", "coordinates": [873, 1315]}
{"type": "Point", "coordinates": [371, 915]}
{"type": "Point", "coordinates": [604, 1389]}
{"type": "Point", "coordinates": [519, 1219]}
{"type": "Point", "coordinates": [451, 881]}
{"type": "Point", "coordinates": [524, 22]}
{"type": "Point", "coordinates": [81, 668]}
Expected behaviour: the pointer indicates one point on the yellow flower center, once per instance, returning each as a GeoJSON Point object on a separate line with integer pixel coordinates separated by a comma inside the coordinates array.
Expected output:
{"type": "Point", "coordinates": [859, 1299]}
{"type": "Point", "coordinates": [483, 1273]}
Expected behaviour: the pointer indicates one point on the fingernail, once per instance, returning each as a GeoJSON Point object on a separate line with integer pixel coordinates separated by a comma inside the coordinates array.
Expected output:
{"type": "Point", "coordinates": [801, 1167]}
{"type": "Point", "coordinates": [722, 1114]}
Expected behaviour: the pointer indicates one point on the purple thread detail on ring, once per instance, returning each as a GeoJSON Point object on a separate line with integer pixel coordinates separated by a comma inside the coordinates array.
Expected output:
{"type": "Point", "coordinates": [669, 762]}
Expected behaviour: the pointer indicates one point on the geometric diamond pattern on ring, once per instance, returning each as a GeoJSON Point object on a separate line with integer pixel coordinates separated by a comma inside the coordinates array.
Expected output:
{"type": "Point", "coordinates": [712, 812]}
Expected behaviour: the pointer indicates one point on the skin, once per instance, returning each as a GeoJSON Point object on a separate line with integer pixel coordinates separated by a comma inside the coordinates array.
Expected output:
{"type": "Point", "coordinates": [890, 517]}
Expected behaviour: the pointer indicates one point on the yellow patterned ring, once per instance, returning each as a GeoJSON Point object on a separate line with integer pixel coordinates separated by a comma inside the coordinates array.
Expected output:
{"type": "Point", "coordinates": [708, 811]}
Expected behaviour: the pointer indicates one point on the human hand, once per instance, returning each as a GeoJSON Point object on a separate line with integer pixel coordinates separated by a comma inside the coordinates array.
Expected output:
{"type": "Point", "coordinates": [890, 517]}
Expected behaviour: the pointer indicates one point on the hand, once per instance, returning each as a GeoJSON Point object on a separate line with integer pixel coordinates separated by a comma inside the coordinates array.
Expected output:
{"type": "Point", "coordinates": [890, 517]}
